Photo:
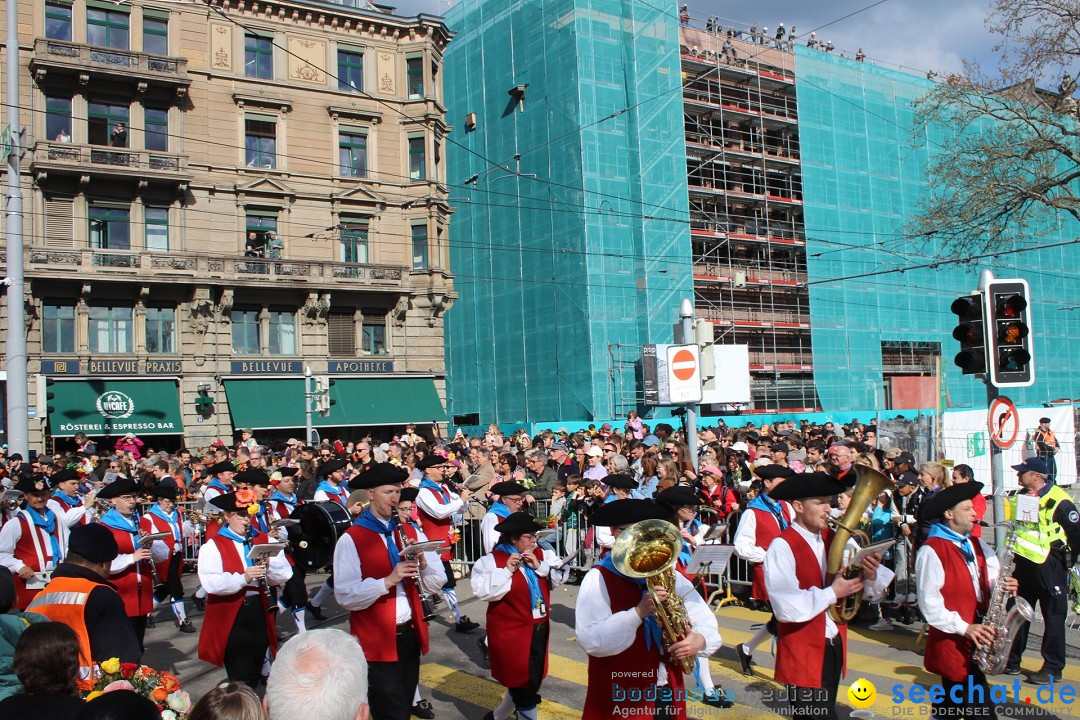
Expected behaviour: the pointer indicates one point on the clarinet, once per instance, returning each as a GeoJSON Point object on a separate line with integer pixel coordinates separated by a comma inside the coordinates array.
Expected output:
{"type": "Point", "coordinates": [426, 604]}
{"type": "Point", "coordinates": [263, 582]}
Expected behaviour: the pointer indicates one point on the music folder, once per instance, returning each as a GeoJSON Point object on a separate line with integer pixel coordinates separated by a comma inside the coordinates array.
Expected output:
{"type": "Point", "coordinates": [421, 547]}
{"type": "Point", "coordinates": [146, 541]}
{"type": "Point", "coordinates": [264, 550]}
{"type": "Point", "coordinates": [284, 522]}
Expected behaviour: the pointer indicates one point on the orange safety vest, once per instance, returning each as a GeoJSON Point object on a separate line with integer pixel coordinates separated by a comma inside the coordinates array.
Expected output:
{"type": "Point", "coordinates": [64, 600]}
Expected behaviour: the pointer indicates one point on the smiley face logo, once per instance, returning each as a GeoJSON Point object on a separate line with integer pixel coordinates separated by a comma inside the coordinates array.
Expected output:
{"type": "Point", "coordinates": [862, 693]}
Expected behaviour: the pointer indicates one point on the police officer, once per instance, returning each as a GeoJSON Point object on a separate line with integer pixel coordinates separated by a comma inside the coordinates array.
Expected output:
{"type": "Point", "coordinates": [1044, 552]}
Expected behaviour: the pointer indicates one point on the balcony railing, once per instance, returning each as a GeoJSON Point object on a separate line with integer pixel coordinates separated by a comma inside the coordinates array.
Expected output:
{"type": "Point", "coordinates": [84, 61]}
{"type": "Point", "coordinates": [55, 261]}
{"type": "Point", "coordinates": [61, 157]}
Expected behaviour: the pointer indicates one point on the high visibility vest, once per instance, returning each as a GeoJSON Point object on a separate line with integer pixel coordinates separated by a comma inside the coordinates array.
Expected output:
{"type": "Point", "coordinates": [1033, 541]}
{"type": "Point", "coordinates": [64, 600]}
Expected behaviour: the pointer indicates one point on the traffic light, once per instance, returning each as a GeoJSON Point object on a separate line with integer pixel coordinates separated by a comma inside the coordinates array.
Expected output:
{"type": "Point", "coordinates": [45, 396]}
{"type": "Point", "coordinates": [1009, 334]}
{"type": "Point", "coordinates": [971, 333]}
{"type": "Point", "coordinates": [204, 404]}
{"type": "Point", "coordinates": [323, 401]}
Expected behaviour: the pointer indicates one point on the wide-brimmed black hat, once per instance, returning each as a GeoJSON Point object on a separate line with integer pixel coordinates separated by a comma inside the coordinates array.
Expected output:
{"type": "Point", "coordinates": [409, 494]}
{"type": "Point", "coordinates": [808, 485]}
{"type": "Point", "coordinates": [118, 487]}
{"type": "Point", "coordinates": [518, 523]}
{"type": "Point", "coordinates": [771, 472]}
{"type": "Point", "coordinates": [619, 480]}
{"type": "Point", "coordinates": [377, 475]}
{"type": "Point", "coordinates": [93, 541]}
{"type": "Point", "coordinates": [63, 476]}
{"type": "Point", "coordinates": [431, 461]}
{"type": "Point", "coordinates": [36, 483]}
{"type": "Point", "coordinates": [252, 476]}
{"type": "Point", "coordinates": [948, 498]}
{"type": "Point", "coordinates": [508, 487]}
{"type": "Point", "coordinates": [332, 465]}
{"type": "Point", "coordinates": [165, 492]}
{"type": "Point", "coordinates": [626, 512]}
{"type": "Point", "coordinates": [223, 466]}
{"type": "Point", "coordinates": [287, 471]}
{"type": "Point", "coordinates": [678, 496]}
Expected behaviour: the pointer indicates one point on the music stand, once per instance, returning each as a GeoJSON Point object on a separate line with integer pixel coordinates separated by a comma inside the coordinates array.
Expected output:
{"type": "Point", "coordinates": [711, 559]}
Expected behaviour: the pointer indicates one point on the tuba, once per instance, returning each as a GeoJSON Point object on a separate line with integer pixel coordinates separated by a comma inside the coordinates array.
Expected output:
{"type": "Point", "coordinates": [649, 549]}
{"type": "Point", "coordinates": [868, 485]}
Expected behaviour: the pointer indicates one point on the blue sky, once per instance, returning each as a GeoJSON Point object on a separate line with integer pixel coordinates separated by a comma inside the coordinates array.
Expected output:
{"type": "Point", "coordinates": [919, 35]}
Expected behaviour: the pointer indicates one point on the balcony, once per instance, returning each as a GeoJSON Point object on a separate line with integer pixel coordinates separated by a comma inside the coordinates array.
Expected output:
{"type": "Point", "coordinates": [87, 160]}
{"type": "Point", "coordinates": [87, 62]}
{"type": "Point", "coordinates": [83, 263]}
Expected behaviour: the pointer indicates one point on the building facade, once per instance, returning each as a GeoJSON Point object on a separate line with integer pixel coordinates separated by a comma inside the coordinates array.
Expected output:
{"type": "Point", "coordinates": [220, 197]}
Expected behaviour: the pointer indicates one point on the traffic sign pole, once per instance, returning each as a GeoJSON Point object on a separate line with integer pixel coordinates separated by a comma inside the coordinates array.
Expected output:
{"type": "Point", "coordinates": [997, 467]}
{"type": "Point", "coordinates": [686, 313]}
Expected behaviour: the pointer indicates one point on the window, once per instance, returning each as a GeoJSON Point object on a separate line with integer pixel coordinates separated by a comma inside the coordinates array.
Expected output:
{"type": "Point", "coordinates": [414, 71]}
{"type": "Point", "coordinates": [259, 224]}
{"type": "Point", "coordinates": [107, 123]}
{"type": "Point", "coordinates": [354, 241]}
{"type": "Point", "coordinates": [58, 329]}
{"type": "Point", "coordinates": [416, 158]}
{"type": "Point", "coordinates": [341, 333]}
{"type": "Point", "coordinates": [109, 228]}
{"type": "Point", "coordinates": [110, 329]}
{"type": "Point", "coordinates": [161, 330]}
{"type": "Point", "coordinates": [58, 21]}
{"type": "Point", "coordinates": [155, 36]}
{"type": "Point", "coordinates": [58, 118]}
{"type": "Point", "coordinates": [107, 28]}
{"type": "Point", "coordinates": [258, 57]}
{"type": "Point", "coordinates": [157, 229]}
{"type": "Point", "coordinates": [246, 338]}
{"type": "Point", "coordinates": [373, 333]}
{"type": "Point", "coordinates": [260, 142]}
{"type": "Point", "coordinates": [419, 247]}
{"type": "Point", "coordinates": [352, 150]}
{"type": "Point", "coordinates": [157, 128]}
{"type": "Point", "coordinates": [282, 332]}
{"type": "Point", "coordinates": [350, 70]}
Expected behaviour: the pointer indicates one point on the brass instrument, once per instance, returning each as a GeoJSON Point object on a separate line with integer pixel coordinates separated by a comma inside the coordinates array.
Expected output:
{"type": "Point", "coordinates": [1004, 621]}
{"type": "Point", "coordinates": [649, 549]}
{"type": "Point", "coordinates": [868, 485]}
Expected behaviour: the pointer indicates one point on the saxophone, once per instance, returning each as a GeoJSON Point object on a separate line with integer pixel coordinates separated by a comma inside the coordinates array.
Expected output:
{"type": "Point", "coordinates": [1004, 621]}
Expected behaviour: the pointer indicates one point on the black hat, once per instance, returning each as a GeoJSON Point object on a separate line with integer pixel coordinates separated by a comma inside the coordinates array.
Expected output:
{"type": "Point", "coordinates": [618, 513]}
{"type": "Point", "coordinates": [771, 472]}
{"type": "Point", "coordinates": [678, 496]}
{"type": "Point", "coordinates": [508, 488]}
{"type": "Point", "coordinates": [118, 487]}
{"type": "Point", "coordinates": [223, 466]}
{"type": "Point", "coordinates": [904, 458]}
{"type": "Point", "coordinates": [331, 466]}
{"type": "Point", "coordinates": [779, 447]}
{"type": "Point", "coordinates": [619, 480]}
{"type": "Point", "coordinates": [808, 485]}
{"type": "Point", "coordinates": [165, 492]}
{"type": "Point", "coordinates": [93, 541]}
{"type": "Point", "coordinates": [518, 523]}
{"type": "Point", "coordinates": [1044, 420]}
{"type": "Point", "coordinates": [253, 476]}
{"type": "Point", "coordinates": [64, 475]}
{"type": "Point", "coordinates": [430, 461]}
{"type": "Point", "coordinates": [227, 502]}
{"type": "Point", "coordinates": [287, 471]}
{"type": "Point", "coordinates": [1033, 463]}
{"type": "Point", "coordinates": [377, 475]}
{"type": "Point", "coordinates": [36, 483]}
{"type": "Point", "coordinates": [15, 456]}
{"type": "Point", "coordinates": [948, 498]}
{"type": "Point", "coordinates": [409, 494]}
{"type": "Point", "coordinates": [906, 479]}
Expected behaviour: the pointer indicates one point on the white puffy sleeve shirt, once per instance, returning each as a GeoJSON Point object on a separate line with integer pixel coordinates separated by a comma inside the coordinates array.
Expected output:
{"type": "Point", "coordinates": [930, 579]}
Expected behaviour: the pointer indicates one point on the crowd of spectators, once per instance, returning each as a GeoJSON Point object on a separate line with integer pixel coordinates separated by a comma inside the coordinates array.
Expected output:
{"type": "Point", "coordinates": [782, 38]}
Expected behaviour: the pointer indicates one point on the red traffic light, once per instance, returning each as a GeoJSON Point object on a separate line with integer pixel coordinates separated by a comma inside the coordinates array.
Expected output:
{"type": "Point", "coordinates": [1010, 306]}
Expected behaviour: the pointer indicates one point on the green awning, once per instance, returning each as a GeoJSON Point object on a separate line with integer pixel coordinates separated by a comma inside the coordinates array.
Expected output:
{"type": "Point", "coordinates": [270, 404]}
{"type": "Point", "coordinates": [115, 407]}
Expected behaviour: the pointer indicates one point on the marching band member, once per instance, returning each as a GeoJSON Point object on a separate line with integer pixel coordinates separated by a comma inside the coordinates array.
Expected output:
{"type": "Point", "coordinates": [164, 518]}
{"type": "Point", "coordinates": [280, 505]}
{"type": "Point", "coordinates": [514, 580]}
{"type": "Point", "coordinates": [954, 576]}
{"type": "Point", "coordinates": [33, 541]}
{"type": "Point", "coordinates": [382, 592]}
{"type": "Point", "coordinates": [331, 488]}
{"type": "Point", "coordinates": [221, 483]}
{"type": "Point", "coordinates": [616, 627]}
{"type": "Point", "coordinates": [619, 488]}
{"type": "Point", "coordinates": [131, 571]}
{"type": "Point", "coordinates": [66, 502]}
{"type": "Point", "coordinates": [810, 652]}
{"type": "Point", "coordinates": [438, 504]}
{"type": "Point", "coordinates": [406, 504]}
{"type": "Point", "coordinates": [762, 523]}
{"type": "Point", "coordinates": [238, 629]}
{"type": "Point", "coordinates": [511, 496]}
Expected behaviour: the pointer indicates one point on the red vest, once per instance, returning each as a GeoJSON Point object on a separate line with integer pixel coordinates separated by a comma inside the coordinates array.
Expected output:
{"type": "Point", "coordinates": [375, 626]}
{"type": "Point", "coordinates": [134, 583]}
{"type": "Point", "coordinates": [510, 624]}
{"type": "Point", "coordinates": [949, 655]}
{"type": "Point", "coordinates": [635, 667]}
{"type": "Point", "coordinates": [800, 647]}
{"type": "Point", "coordinates": [767, 530]}
{"type": "Point", "coordinates": [221, 610]}
{"type": "Point", "coordinates": [62, 502]}
{"type": "Point", "coordinates": [151, 524]}
{"type": "Point", "coordinates": [26, 551]}
{"type": "Point", "coordinates": [439, 528]}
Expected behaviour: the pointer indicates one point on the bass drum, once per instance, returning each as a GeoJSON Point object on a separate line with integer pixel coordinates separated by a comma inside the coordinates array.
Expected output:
{"type": "Point", "coordinates": [321, 524]}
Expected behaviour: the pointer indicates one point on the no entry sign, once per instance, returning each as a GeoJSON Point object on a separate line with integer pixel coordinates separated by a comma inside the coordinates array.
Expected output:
{"type": "Point", "coordinates": [684, 374]}
{"type": "Point", "coordinates": [1003, 421]}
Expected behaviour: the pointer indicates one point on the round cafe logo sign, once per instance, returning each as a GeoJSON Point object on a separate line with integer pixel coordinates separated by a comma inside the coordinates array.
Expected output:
{"type": "Point", "coordinates": [115, 405]}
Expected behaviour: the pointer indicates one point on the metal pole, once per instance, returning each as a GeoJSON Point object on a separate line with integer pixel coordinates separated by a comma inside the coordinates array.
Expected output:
{"type": "Point", "coordinates": [997, 468]}
{"type": "Point", "coordinates": [686, 313]}
{"type": "Point", "coordinates": [307, 404]}
{"type": "Point", "coordinates": [18, 435]}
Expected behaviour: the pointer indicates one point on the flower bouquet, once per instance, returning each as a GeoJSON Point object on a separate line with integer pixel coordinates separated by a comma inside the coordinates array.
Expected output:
{"type": "Point", "coordinates": [158, 685]}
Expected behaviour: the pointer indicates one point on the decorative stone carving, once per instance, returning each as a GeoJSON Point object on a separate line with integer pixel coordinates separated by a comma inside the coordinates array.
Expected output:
{"type": "Point", "coordinates": [382, 273]}
{"type": "Point", "coordinates": [225, 305]}
{"type": "Point", "coordinates": [55, 257]}
{"type": "Point", "coordinates": [399, 311]}
{"type": "Point", "coordinates": [316, 308]}
{"type": "Point", "coordinates": [167, 262]}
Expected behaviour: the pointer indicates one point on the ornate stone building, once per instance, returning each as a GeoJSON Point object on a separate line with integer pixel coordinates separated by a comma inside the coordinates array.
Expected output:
{"type": "Point", "coordinates": [218, 196]}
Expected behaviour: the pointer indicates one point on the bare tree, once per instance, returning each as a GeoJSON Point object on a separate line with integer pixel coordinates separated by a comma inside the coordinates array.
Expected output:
{"type": "Point", "coordinates": [1008, 164]}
